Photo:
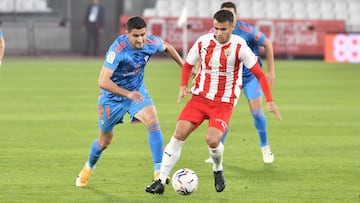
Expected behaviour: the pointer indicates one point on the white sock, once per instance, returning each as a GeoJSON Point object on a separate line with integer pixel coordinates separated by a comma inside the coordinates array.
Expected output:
{"type": "Point", "coordinates": [216, 155]}
{"type": "Point", "coordinates": [170, 156]}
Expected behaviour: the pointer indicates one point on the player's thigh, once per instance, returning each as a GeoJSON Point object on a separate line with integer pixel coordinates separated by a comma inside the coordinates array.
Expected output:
{"type": "Point", "coordinates": [252, 88]}
{"type": "Point", "coordinates": [144, 111]}
{"type": "Point", "coordinates": [183, 129]}
{"type": "Point", "coordinates": [194, 111]}
{"type": "Point", "coordinates": [219, 115]}
{"type": "Point", "coordinates": [111, 112]}
{"type": "Point", "coordinates": [253, 93]}
{"type": "Point", "coordinates": [147, 115]}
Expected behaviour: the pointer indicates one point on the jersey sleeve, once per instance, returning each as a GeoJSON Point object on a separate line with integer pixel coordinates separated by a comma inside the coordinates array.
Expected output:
{"type": "Point", "coordinates": [194, 53]}
{"type": "Point", "coordinates": [247, 57]}
{"type": "Point", "coordinates": [253, 35]}
{"type": "Point", "coordinates": [258, 37]}
{"type": "Point", "coordinates": [112, 58]}
{"type": "Point", "coordinates": [157, 42]}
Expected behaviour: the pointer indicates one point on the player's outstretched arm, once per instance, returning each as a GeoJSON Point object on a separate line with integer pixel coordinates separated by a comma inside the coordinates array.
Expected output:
{"type": "Point", "coordinates": [106, 83]}
{"type": "Point", "coordinates": [185, 75]}
{"type": "Point", "coordinates": [171, 51]}
{"type": "Point", "coordinates": [259, 74]}
{"type": "Point", "coordinates": [269, 54]}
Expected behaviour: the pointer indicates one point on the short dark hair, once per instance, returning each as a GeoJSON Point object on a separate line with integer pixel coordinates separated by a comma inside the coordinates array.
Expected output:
{"type": "Point", "coordinates": [228, 4]}
{"type": "Point", "coordinates": [223, 16]}
{"type": "Point", "coordinates": [135, 23]}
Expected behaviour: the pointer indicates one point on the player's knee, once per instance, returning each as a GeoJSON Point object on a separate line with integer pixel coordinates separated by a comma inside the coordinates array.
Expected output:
{"type": "Point", "coordinates": [105, 139]}
{"type": "Point", "coordinates": [257, 113]}
{"type": "Point", "coordinates": [212, 141]}
{"type": "Point", "coordinates": [104, 144]}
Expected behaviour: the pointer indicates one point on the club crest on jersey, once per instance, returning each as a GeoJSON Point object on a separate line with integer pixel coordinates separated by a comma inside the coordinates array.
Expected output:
{"type": "Point", "coordinates": [215, 63]}
{"type": "Point", "coordinates": [227, 52]}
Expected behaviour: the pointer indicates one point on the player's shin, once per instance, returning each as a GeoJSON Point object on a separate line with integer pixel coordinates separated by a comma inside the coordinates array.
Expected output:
{"type": "Point", "coordinates": [95, 153]}
{"type": "Point", "coordinates": [170, 157]}
{"type": "Point", "coordinates": [156, 143]}
{"type": "Point", "coordinates": [216, 155]}
{"type": "Point", "coordinates": [261, 126]}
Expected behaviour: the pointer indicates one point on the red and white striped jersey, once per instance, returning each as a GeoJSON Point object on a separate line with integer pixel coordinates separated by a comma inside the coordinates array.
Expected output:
{"type": "Point", "coordinates": [219, 77]}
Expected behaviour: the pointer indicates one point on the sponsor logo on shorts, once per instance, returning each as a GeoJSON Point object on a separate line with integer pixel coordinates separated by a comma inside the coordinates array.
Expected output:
{"type": "Point", "coordinates": [222, 122]}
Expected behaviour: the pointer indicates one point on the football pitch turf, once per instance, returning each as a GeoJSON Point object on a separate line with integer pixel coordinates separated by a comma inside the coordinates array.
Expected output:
{"type": "Point", "coordinates": [48, 120]}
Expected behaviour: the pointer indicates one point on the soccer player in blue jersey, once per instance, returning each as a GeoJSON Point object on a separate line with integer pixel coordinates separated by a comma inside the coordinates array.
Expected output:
{"type": "Point", "coordinates": [2, 47]}
{"type": "Point", "coordinates": [123, 91]}
{"type": "Point", "coordinates": [251, 87]}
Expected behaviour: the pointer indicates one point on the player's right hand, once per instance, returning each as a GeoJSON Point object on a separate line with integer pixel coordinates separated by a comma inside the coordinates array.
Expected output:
{"type": "Point", "coordinates": [135, 96]}
{"type": "Point", "coordinates": [183, 92]}
{"type": "Point", "coordinates": [273, 109]}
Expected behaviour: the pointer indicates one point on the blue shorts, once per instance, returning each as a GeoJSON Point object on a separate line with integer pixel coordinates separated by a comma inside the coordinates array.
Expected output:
{"type": "Point", "coordinates": [111, 112]}
{"type": "Point", "coordinates": [251, 87]}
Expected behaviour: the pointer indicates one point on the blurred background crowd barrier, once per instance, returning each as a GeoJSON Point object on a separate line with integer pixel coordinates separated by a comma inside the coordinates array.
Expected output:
{"type": "Point", "coordinates": [296, 28]}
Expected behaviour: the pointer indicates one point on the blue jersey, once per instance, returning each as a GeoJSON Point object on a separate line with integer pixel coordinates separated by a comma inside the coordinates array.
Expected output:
{"type": "Point", "coordinates": [253, 37]}
{"type": "Point", "coordinates": [1, 34]}
{"type": "Point", "coordinates": [128, 63]}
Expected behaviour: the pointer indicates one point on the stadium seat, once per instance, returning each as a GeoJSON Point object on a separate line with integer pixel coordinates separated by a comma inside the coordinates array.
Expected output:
{"type": "Point", "coordinates": [286, 14]}
{"type": "Point", "coordinates": [354, 6]}
{"type": "Point", "coordinates": [314, 15]}
{"type": "Point", "coordinates": [326, 6]}
{"type": "Point", "coordinates": [162, 8]}
{"type": "Point", "coordinates": [272, 6]}
{"type": "Point", "coordinates": [285, 6]}
{"type": "Point", "coordinates": [272, 14]}
{"type": "Point", "coordinates": [244, 9]}
{"type": "Point", "coordinates": [341, 15]}
{"type": "Point", "coordinates": [24, 6]}
{"type": "Point", "coordinates": [312, 6]}
{"type": "Point", "coordinates": [327, 15]}
{"type": "Point", "coordinates": [259, 14]}
{"type": "Point", "coordinates": [340, 6]}
{"type": "Point", "coordinates": [149, 12]}
{"type": "Point", "coordinates": [263, 9]}
{"type": "Point", "coordinates": [6, 6]}
{"type": "Point", "coordinates": [176, 8]}
{"type": "Point", "coordinates": [41, 6]}
{"type": "Point", "coordinates": [300, 15]}
{"type": "Point", "coordinates": [299, 7]}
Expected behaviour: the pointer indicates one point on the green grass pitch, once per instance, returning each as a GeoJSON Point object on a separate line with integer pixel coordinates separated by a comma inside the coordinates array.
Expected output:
{"type": "Point", "coordinates": [48, 120]}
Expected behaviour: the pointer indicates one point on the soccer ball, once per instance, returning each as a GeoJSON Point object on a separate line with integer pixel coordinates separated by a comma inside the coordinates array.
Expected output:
{"type": "Point", "coordinates": [185, 181]}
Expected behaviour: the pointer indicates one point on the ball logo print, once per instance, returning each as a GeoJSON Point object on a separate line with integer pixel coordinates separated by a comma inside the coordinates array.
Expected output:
{"type": "Point", "coordinates": [185, 181]}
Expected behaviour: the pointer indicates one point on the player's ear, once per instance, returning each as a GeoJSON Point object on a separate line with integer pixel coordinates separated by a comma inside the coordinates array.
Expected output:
{"type": "Point", "coordinates": [232, 27]}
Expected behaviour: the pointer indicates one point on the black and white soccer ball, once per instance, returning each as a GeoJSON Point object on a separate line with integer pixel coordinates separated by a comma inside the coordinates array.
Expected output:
{"type": "Point", "coordinates": [185, 181]}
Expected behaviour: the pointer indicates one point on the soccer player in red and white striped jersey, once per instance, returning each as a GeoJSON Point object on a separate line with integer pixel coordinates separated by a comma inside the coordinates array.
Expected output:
{"type": "Point", "coordinates": [216, 89]}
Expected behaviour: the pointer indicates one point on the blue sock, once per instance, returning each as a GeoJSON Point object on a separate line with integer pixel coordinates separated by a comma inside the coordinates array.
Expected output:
{"type": "Point", "coordinates": [95, 153]}
{"type": "Point", "coordinates": [261, 126]}
{"type": "Point", "coordinates": [224, 136]}
{"type": "Point", "coordinates": [156, 143]}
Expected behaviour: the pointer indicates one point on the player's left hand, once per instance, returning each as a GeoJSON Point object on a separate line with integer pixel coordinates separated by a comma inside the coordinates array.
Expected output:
{"type": "Point", "coordinates": [183, 92]}
{"type": "Point", "coordinates": [271, 106]}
